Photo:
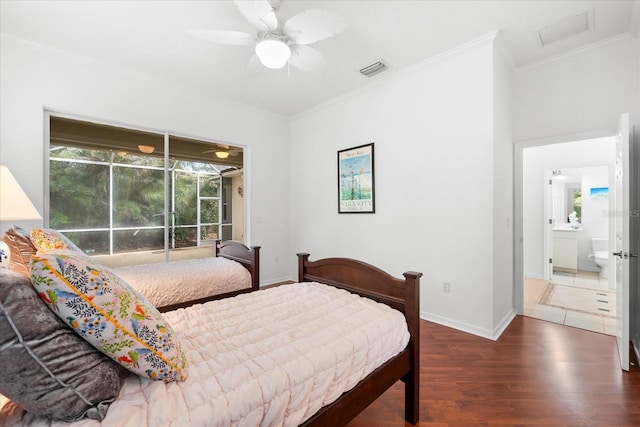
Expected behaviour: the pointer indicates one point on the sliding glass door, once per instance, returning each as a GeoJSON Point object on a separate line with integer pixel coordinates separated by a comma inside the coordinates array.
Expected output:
{"type": "Point", "coordinates": [114, 192]}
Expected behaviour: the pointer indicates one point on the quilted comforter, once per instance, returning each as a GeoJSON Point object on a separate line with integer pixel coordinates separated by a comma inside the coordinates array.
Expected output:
{"type": "Point", "coordinates": [268, 358]}
{"type": "Point", "coordinates": [174, 282]}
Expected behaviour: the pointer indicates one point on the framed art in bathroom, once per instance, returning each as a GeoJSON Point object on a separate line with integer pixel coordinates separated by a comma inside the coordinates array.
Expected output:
{"type": "Point", "coordinates": [356, 189]}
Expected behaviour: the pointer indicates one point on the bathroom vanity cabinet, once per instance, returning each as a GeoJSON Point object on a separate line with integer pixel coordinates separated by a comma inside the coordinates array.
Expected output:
{"type": "Point", "coordinates": [565, 250]}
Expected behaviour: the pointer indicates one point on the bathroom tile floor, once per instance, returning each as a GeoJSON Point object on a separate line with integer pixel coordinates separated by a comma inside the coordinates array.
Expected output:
{"type": "Point", "coordinates": [578, 308]}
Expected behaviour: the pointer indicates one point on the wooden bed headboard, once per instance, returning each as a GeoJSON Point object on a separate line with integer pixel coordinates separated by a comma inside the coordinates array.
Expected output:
{"type": "Point", "coordinates": [403, 295]}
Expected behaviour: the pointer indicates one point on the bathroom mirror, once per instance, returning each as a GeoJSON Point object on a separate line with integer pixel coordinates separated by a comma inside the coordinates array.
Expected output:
{"type": "Point", "coordinates": [566, 194]}
{"type": "Point", "coordinates": [573, 199]}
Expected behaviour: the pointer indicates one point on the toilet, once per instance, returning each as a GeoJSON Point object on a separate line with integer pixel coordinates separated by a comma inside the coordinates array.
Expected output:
{"type": "Point", "coordinates": [600, 255]}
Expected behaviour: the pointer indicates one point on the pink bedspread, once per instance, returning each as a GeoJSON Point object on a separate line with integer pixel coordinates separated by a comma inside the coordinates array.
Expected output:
{"type": "Point", "coordinates": [174, 282]}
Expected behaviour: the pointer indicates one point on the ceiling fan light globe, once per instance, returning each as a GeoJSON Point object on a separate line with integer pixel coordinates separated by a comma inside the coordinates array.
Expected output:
{"type": "Point", "coordinates": [222, 154]}
{"type": "Point", "coordinates": [273, 53]}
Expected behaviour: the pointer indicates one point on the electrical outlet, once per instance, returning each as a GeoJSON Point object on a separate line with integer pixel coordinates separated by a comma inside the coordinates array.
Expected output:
{"type": "Point", "coordinates": [446, 286]}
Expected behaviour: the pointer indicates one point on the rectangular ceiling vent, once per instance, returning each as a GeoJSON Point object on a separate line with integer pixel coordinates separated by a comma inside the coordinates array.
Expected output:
{"type": "Point", "coordinates": [566, 28]}
{"type": "Point", "coordinates": [374, 68]}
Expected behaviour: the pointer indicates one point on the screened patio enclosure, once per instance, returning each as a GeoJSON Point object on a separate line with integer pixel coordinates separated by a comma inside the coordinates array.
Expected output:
{"type": "Point", "coordinates": [113, 190]}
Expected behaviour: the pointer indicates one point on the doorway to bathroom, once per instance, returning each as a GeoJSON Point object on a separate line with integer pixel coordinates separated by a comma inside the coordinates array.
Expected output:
{"type": "Point", "coordinates": [565, 220]}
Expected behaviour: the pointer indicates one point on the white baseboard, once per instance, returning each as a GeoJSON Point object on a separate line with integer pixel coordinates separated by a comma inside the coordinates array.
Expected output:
{"type": "Point", "coordinates": [506, 321]}
{"type": "Point", "coordinates": [534, 276]}
{"type": "Point", "coordinates": [276, 280]}
{"type": "Point", "coordinates": [491, 334]}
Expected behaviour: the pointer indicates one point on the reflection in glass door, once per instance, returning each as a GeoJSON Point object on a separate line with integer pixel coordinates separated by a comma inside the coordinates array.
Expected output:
{"type": "Point", "coordinates": [107, 191]}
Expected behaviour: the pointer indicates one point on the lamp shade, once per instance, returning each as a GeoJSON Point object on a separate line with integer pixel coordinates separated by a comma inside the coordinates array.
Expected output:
{"type": "Point", "coordinates": [273, 53]}
{"type": "Point", "coordinates": [14, 203]}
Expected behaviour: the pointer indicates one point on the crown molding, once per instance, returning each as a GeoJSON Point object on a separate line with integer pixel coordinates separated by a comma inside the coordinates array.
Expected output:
{"type": "Point", "coordinates": [577, 51]}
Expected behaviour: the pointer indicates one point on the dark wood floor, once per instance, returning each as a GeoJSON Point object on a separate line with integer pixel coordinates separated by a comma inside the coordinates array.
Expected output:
{"type": "Point", "coordinates": [536, 373]}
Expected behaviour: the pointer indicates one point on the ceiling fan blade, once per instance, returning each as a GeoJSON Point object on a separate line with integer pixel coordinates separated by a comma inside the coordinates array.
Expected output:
{"type": "Point", "coordinates": [313, 25]}
{"type": "Point", "coordinates": [259, 13]}
{"type": "Point", "coordinates": [219, 147]}
{"type": "Point", "coordinates": [307, 59]}
{"type": "Point", "coordinates": [237, 38]}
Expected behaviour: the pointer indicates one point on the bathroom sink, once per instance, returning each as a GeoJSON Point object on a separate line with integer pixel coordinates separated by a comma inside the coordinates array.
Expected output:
{"type": "Point", "coordinates": [565, 227]}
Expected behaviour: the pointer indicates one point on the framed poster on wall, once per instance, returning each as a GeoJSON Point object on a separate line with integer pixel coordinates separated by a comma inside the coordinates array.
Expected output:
{"type": "Point", "coordinates": [356, 190]}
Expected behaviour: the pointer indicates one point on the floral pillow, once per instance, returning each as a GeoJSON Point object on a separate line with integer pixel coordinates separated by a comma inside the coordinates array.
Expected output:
{"type": "Point", "coordinates": [46, 239]}
{"type": "Point", "coordinates": [109, 314]}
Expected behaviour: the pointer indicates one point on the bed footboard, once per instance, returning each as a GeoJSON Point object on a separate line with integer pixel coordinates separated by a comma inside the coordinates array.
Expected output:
{"type": "Point", "coordinates": [403, 295]}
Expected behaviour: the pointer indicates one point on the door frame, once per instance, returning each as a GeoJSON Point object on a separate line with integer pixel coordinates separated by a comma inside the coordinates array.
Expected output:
{"type": "Point", "coordinates": [518, 235]}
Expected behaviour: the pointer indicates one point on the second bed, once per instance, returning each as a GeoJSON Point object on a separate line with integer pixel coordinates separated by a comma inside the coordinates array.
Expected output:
{"type": "Point", "coordinates": [169, 285]}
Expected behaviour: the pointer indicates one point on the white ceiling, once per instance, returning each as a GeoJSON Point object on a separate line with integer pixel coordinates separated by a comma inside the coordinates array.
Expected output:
{"type": "Point", "coordinates": [149, 36]}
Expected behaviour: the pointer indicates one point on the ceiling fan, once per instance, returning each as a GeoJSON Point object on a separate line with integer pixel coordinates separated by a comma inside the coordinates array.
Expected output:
{"type": "Point", "coordinates": [223, 151]}
{"type": "Point", "coordinates": [275, 44]}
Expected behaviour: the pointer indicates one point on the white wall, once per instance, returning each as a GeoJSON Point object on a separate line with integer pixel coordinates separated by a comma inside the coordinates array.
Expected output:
{"type": "Point", "coordinates": [579, 93]}
{"type": "Point", "coordinates": [434, 153]}
{"type": "Point", "coordinates": [503, 290]}
{"type": "Point", "coordinates": [33, 78]}
{"type": "Point", "coordinates": [571, 155]}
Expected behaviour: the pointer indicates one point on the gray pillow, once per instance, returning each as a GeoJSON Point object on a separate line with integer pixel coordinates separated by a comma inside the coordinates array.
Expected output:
{"type": "Point", "coordinates": [47, 369]}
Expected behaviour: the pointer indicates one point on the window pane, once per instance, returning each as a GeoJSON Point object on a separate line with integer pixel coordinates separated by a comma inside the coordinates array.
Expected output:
{"type": "Point", "coordinates": [103, 186]}
{"type": "Point", "coordinates": [186, 193]}
{"type": "Point", "coordinates": [209, 185]}
{"type": "Point", "coordinates": [75, 153]}
{"type": "Point", "coordinates": [208, 232]}
{"type": "Point", "coordinates": [79, 195]}
{"type": "Point", "coordinates": [91, 242]}
{"type": "Point", "coordinates": [209, 211]}
{"type": "Point", "coordinates": [137, 159]}
{"type": "Point", "coordinates": [196, 166]}
{"type": "Point", "coordinates": [138, 240]}
{"type": "Point", "coordinates": [185, 237]}
{"type": "Point", "coordinates": [138, 197]}
{"type": "Point", "coordinates": [227, 232]}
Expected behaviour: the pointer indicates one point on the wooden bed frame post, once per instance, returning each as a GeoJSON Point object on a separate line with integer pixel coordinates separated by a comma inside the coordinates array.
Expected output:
{"type": "Point", "coordinates": [255, 272]}
{"type": "Point", "coordinates": [302, 258]}
{"type": "Point", "coordinates": [412, 379]}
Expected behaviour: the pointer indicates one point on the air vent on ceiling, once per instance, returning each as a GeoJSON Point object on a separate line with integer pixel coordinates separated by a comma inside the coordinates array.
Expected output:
{"type": "Point", "coordinates": [566, 28]}
{"type": "Point", "coordinates": [374, 68]}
